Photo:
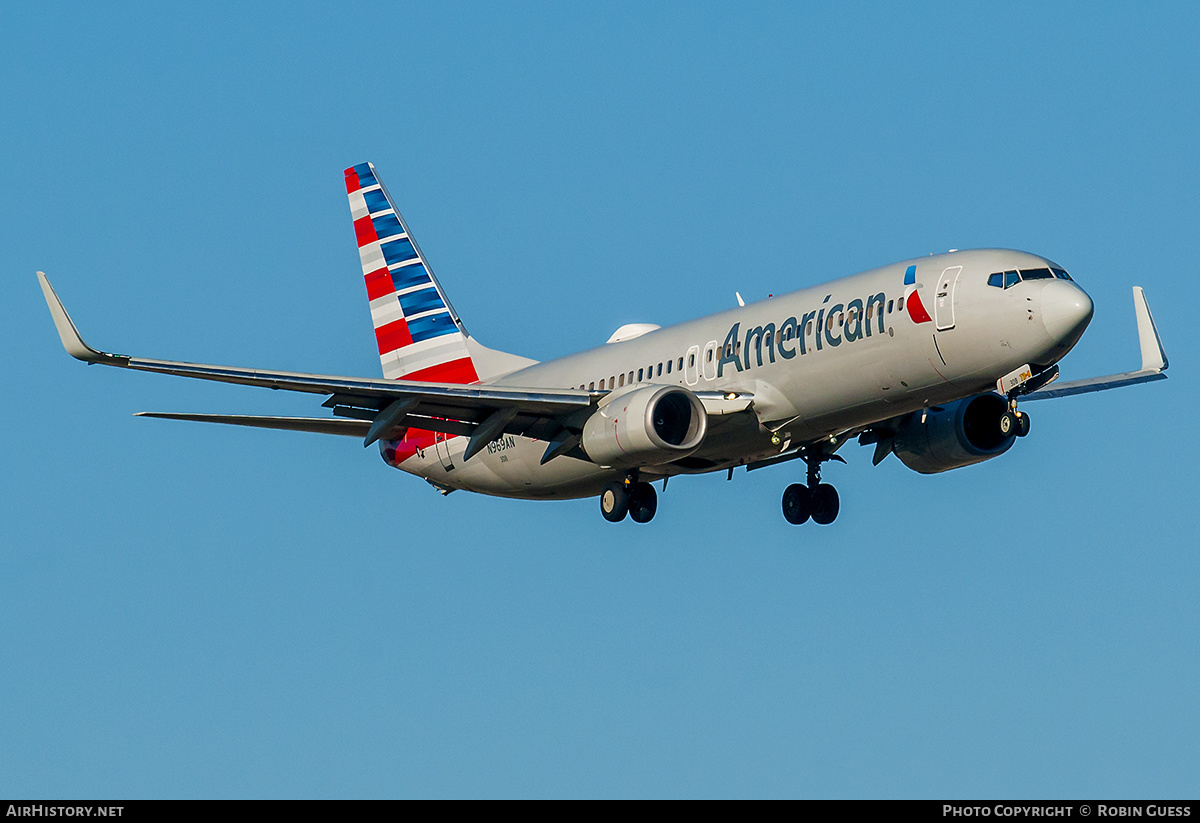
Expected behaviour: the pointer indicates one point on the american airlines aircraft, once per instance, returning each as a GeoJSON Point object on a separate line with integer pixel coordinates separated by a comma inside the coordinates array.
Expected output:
{"type": "Point", "coordinates": [925, 358]}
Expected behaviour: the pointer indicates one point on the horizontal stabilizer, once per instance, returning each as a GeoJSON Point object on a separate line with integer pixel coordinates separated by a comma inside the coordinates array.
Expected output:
{"type": "Point", "coordinates": [1154, 360]}
{"type": "Point", "coordinates": [317, 425]}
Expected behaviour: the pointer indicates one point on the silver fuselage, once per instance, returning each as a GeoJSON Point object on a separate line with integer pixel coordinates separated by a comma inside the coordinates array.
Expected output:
{"type": "Point", "coordinates": [819, 362]}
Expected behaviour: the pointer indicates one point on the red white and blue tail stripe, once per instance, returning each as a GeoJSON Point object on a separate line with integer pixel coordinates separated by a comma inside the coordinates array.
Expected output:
{"type": "Point", "coordinates": [419, 334]}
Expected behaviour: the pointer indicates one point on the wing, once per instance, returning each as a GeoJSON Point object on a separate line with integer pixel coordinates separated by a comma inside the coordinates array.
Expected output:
{"type": "Point", "coordinates": [378, 409]}
{"type": "Point", "coordinates": [1154, 360]}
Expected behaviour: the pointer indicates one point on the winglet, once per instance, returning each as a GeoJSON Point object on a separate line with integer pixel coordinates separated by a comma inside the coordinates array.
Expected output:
{"type": "Point", "coordinates": [69, 335]}
{"type": "Point", "coordinates": [1154, 357]}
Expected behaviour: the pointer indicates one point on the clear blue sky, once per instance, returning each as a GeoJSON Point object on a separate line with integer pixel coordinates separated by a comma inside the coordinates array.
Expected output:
{"type": "Point", "coordinates": [191, 610]}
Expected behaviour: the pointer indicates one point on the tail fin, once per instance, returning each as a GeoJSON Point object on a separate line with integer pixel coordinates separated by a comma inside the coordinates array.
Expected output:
{"type": "Point", "coordinates": [419, 334]}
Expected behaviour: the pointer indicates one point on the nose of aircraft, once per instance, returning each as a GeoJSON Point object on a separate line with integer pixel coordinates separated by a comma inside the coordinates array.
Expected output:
{"type": "Point", "coordinates": [1066, 311]}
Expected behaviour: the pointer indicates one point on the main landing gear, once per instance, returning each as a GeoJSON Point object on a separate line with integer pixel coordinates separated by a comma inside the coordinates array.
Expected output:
{"type": "Point", "coordinates": [816, 500]}
{"type": "Point", "coordinates": [628, 496]}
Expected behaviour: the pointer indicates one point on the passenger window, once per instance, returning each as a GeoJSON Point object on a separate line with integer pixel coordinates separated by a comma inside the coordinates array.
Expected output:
{"type": "Point", "coordinates": [639, 375]}
{"type": "Point", "coordinates": [592, 386]}
{"type": "Point", "coordinates": [631, 378]}
{"type": "Point", "coordinates": [669, 362]}
{"type": "Point", "coordinates": [611, 383]}
{"type": "Point", "coordinates": [660, 369]}
{"type": "Point", "coordinates": [870, 310]}
{"type": "Point", "coordinates": [621, 380]}
{"type": "Point", "coordinates": [808, 328]}
{"type": "Point", "coordinates": [681, 362]}
{"type": "Point", "coordinates": [889, 307]}
{"type": "Point", "coordinates": [691, 360]}
{"type": "Point", "coordinates": [900, 304]}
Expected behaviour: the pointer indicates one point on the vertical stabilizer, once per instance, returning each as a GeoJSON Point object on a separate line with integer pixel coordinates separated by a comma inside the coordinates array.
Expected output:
{"type": "Point", "coordinates": [419, 334]}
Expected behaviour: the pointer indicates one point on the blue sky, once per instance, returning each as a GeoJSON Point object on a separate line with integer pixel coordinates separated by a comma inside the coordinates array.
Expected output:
{"type": "Point", "coordinates": [200, 611]}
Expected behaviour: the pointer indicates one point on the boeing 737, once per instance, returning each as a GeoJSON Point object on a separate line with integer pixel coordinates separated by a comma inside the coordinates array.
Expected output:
{"type": "Point", "coordinates": [925, 359]}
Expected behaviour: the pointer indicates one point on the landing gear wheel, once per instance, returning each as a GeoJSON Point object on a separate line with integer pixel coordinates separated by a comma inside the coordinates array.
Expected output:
{"type": "Point", "coordinates": [824, 504]}
{"type": "Point", "coordinates": [614, 502]}
{"type": "Point", "coordinates": [643, 502]}
{"type": "Point", "coordinates": [1022, 424]}
{"type": "Point", "coordinates": [1008, 424]}
{"type": "Point", "coordinates": [797, 504]}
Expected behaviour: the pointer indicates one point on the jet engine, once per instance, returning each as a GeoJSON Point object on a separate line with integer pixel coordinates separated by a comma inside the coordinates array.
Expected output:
{"type": "Point", "coordinates": [649, 426]}
{"type": "Point", "coordinates": [959, 434]}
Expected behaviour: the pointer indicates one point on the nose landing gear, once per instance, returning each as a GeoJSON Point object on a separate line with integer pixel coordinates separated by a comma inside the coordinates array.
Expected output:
{"type": "Point", "coordinates": [1014, 423]}
{"type": "Point", "coordinates": [1015, 384]}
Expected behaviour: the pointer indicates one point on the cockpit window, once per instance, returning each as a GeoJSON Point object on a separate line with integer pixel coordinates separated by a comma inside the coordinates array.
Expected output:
{"type": "Point", "coordinates": [1036, 274]}
{"type": "Point", "coordinates": [1008, 279]}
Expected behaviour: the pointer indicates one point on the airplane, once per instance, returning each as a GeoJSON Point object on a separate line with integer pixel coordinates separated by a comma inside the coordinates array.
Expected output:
{"type": "Point", "coordinates": [925, 359]}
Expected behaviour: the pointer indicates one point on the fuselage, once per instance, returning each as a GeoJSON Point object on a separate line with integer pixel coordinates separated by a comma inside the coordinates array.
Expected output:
{"type": "Point", "coordinates": [819, 362]}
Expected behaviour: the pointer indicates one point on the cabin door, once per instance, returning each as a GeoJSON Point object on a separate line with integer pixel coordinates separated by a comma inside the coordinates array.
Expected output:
{"type": "Point", "coordinates": [691, 371]}
{"type": "Point", "coordinates": [943, 301]}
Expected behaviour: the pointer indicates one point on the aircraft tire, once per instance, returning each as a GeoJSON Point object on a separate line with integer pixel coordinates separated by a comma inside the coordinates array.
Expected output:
{"type": "Point", "coordinates": [1008, 424]}
{"type": "Point", "coordinates": [1022, 424]}
{"type": "Point", "coordinates": [825, 504]}
{"type": "Point", "coordinates": [614, 502]}
{"type": "Point", "coordinates": [643, 503]}
{"type": "Point", "coordinates": [797, 504]}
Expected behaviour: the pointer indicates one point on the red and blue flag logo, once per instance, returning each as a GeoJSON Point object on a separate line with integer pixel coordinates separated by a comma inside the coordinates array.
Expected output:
{"type": "Point", "coordinates": [912, 297]}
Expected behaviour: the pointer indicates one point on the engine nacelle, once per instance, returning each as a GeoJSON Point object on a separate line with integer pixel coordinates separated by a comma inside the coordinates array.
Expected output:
{"type": "Point", "coordinates": [955, 435]}
{"type": "Point", "coordinates": [649, 426]}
